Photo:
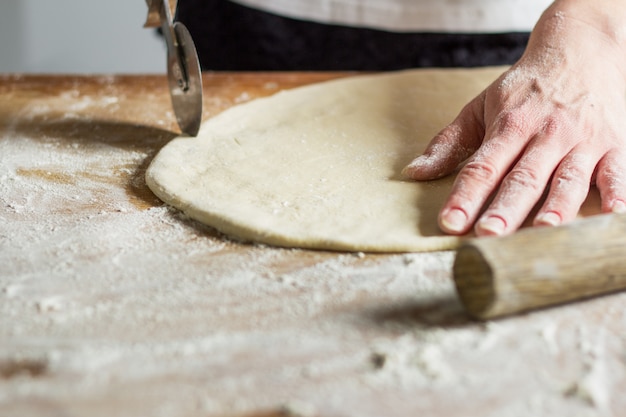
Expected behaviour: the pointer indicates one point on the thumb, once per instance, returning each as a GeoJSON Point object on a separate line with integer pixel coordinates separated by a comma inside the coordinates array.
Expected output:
{"type": "Point", "coordinates": [451, 146]}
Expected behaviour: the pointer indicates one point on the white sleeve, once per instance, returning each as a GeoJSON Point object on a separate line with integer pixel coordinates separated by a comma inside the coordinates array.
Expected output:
{"type": "Point", "coordinates": [454, 16]}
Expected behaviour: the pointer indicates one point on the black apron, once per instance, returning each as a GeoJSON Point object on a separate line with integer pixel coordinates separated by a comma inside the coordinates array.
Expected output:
{"type": "Point", "coordinates": [231, 37]}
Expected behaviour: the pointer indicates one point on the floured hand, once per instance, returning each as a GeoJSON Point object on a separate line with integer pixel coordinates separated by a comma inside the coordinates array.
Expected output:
{"type": "Point", "coordinates": [556, 120]}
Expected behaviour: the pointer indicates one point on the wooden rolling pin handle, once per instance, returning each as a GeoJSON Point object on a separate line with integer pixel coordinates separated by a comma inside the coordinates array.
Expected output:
{"type": "Point", "coordinates": [540, 267]}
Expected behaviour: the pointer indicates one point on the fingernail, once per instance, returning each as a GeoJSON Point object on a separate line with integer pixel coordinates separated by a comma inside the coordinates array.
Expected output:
{"type": "Point", "coordinates": [491, 226]}
{"type": "Point", "coordinates": [548, 219]}
{"type": "Point", "coordinates": [619, 207]}
{"type": "Point", "coordinates": [454, 221]}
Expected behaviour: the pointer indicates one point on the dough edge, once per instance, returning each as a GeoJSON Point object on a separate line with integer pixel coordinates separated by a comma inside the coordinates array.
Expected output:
{"type": "Point", "coordinates": [231, 227]}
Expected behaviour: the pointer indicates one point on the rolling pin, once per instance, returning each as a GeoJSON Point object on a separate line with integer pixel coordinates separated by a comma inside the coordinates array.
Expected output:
{"type": "Point", "coordinates": [541, 267]}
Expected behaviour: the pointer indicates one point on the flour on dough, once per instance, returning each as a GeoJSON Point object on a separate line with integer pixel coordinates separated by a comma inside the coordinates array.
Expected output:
{"type": "Point", "coordinates": [319, 166]}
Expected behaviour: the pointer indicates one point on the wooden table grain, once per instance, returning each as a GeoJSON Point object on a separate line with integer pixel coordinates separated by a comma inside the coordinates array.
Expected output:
{"type": "Point", "coordinates": [113, 304]}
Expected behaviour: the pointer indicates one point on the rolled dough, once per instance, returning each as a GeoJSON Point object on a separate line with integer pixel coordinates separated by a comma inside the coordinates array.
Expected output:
{"type": "Point", "coordinates": [319, 166]}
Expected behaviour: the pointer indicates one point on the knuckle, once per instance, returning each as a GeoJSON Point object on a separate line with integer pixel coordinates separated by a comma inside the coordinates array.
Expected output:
{"type": "Point", "coordinates": [571, 176]}
{"type": "Point", "coordinates": [552, 126]}
{"type": "Point", "coordinates": [481, 170]}
{"type": "Point", "coordinates": [569, 127]}
{"type": "Point", "coordinates": [525, 178]}
{"type": "Point", "coordinates": [612, 179]}
{"type": "Point", "coordinates": [616, 184]}
{"type": "Point", "coordinates": [447, 137]}
{"type": "Point", "coordinates": [615, 163]}
{"type": "Point", "coordinates": [512, 123]}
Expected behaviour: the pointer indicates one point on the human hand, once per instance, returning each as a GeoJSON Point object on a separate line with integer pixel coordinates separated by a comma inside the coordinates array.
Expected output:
{"type": "Point", "coordinates": [556, 120]}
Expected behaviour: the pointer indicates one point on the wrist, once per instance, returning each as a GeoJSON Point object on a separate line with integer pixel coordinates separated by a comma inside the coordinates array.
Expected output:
{"type": "Point", "coordinates": [582, 34]}
{"type": "Point", "coordinates": [608, 17]}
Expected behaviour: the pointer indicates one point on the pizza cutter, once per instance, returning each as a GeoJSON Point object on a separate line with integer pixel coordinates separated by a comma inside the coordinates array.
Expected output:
{"type": "Point", "coordinates": [183, 67]}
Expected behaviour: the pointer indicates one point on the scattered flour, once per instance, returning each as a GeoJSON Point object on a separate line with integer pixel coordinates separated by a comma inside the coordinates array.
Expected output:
{"type": "Point", "coordinates": [112, 304]}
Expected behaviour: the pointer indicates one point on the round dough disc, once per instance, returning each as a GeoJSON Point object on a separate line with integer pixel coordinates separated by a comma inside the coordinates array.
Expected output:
{"type": "Point", "coordinates": [319, 166]}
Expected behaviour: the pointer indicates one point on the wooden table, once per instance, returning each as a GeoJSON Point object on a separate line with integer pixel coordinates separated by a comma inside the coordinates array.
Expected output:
{"type": "Point", "coordinates": [112, 304]}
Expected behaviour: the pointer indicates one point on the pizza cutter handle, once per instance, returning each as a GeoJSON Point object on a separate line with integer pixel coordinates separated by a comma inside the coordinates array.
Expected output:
{"type": "Point", "coordinates": [161, 14]}
{"type": "Point", "coordinates": [154, 12]}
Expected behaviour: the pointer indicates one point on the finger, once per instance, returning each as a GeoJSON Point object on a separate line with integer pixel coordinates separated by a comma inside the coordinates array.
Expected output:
{"type": "Point", "coordinates": [524, 185]}
{"type": "Point", "coordinates": [472, 187]}
{"type": "Point", "coordinates": [481, 175]}
{"type": "Point", "coordinates": [451, 146]}
{"type": "Point", "coordinates": [611, 181]}
{"type": "Point", "coordinates": [568, 189]}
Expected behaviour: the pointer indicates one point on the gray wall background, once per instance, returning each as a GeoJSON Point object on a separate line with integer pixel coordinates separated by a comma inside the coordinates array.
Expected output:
{"type": "Point", "coordinates": [78, 36]}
